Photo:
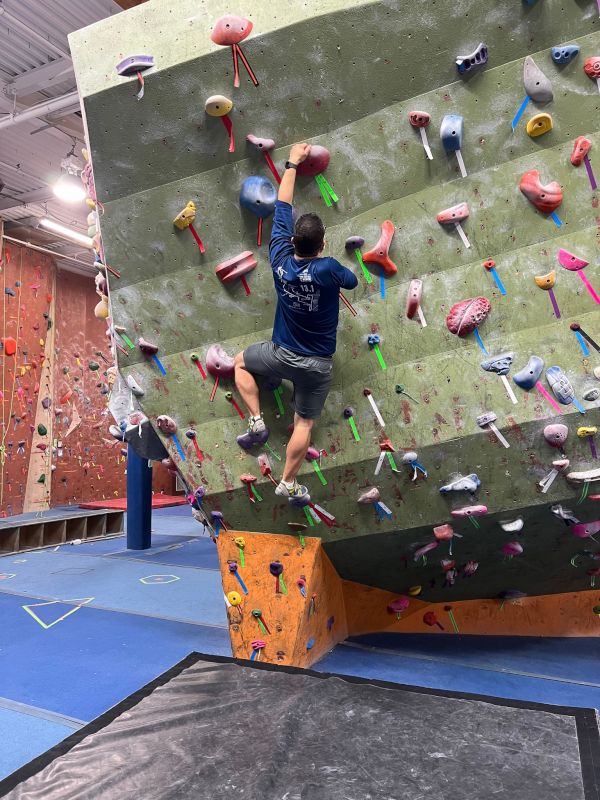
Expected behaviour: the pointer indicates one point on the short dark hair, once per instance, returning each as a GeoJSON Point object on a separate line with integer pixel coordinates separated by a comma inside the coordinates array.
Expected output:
{"type": "Point", "coordinates": [309, 234]}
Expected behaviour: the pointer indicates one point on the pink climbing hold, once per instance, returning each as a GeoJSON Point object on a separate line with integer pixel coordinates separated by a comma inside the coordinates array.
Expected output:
{"type": "Point", "coordinates": [231, 29]}
{"type": "Point", "coordinates": [380, 253]}
{"type": "Point", "coordinates": [581, 147]}
{"type": "Point", "coordinates": [546, 198]}
{"type": "Point", "coordinates": [453, 214]}
{"type": "Point", "coordinates": [218, 363]}
{"type": "Point", "coordinates": [469, 511]}
{"type": "Point", "coordinates": [467, 315]}
{"type": "Point", "coordinates": [585, 530]}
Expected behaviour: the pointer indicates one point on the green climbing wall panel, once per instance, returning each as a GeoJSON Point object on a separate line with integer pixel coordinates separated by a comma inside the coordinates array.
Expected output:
{"type": "Point", "coordinates": [346, 78]}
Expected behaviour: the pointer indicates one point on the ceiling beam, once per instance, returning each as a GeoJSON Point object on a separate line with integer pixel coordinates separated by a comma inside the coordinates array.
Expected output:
{"type": "Point", "coordinates": [18, 200]}
{"type": "Point", "coordinates": [39, 78]}
{"type": "Point", "coordinates": [70, 101]}
{"type": "Point", "coordinates": [32, 35]}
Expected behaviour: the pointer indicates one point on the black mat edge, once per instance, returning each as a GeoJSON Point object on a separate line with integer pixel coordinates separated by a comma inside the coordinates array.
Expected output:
{"type": "Point", "coordinates": [586, 720]}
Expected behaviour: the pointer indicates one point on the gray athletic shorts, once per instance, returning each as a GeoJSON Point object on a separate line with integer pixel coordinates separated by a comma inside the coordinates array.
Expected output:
{"type": "Point", "coordinates": [310, 375]}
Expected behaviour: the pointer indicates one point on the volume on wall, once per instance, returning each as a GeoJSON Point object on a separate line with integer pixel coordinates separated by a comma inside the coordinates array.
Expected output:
{"type": "Point", "coordinates": [346, 78]}
{"type": "Point", "coordinates": [55, 448]}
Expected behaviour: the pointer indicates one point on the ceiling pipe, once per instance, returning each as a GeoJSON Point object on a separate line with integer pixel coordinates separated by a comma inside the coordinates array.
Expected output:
{"type": "Point", "coordinates": [39, 110]}
{"type": "Point", "coordinates": [89, 265]}
{"type": "Point", "coordinates": [34, 36]}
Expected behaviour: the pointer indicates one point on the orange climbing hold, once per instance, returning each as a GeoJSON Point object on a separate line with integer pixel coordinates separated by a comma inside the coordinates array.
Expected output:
{"type": "Point", "coordinates": [10, 346]}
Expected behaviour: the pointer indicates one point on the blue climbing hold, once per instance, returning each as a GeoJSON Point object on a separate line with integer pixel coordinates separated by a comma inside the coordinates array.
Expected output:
{"type": "Point", "coordinates": [451, 132]}
{"type": "Point", "coordinates": [258, 195]}
{"type": "Point", "coordinates": [527, 377]}
{"type": "Point", "coordinates": [565, 53]}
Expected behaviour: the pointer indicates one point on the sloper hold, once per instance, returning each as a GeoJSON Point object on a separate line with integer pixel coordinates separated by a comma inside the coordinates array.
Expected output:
{"type": "Point", "coordinates": [370, 496]}
{"type": "Point", "coordinates": [134, 386]}
{"type": "Point", "coordinates": [539, 124]}
{"type": "Point", "coordinates": [527, 377]}
{"type": "Point", "coordinates": [258, 195]}
{"type": "Point", "coordinates": [451, 132]}
{"type": "Point", "coordinates": [581, 147]}
{"type": "Point", "coordinates": [264, 145]}
{"type": "Point", "coordinates": [229, 271]}
{"type": "Point", "coordinates": [570, 261]}
{"type": "Point", "coordinates": [560, 385]}
{"type": "Point", "coordinates": [467, 315]}
{"type": "Point", "coordinates": [218, 363]}
{"type": "Point", "coordinates": [499, 364]}
{"type": "Point", "coordinates": [231, 29]}
{"type": "Point", "coordinates": [546, 281]}
{"type": "Point", "coordinates": [354, 243]}
{"type": "Point", "coordinates": [217, 105]}
{"type": "Point", "coordinates": [455, 213]}
{"type": "Point", "coordinates": [545, 198]}
{"type": "Point", "coordinates": [537, 85]}
{"type": "Point", "coordinates": [134, 64]}
{"type": "Point", "coordinates": [316, 162]}
{"type": "Point", "coordinates": [478, 57]}
{"type": "Point", "coordinates": [563, 54]}
{"type": "Point", "coordinates": [380, 253]}
{"type": "Point", "coordinates": [556, 434]}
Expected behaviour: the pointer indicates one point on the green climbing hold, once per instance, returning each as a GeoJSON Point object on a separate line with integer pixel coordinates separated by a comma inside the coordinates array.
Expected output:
{"type": "Point", "coordinates": [65, 370]}
{"type": "Point", "coordinates": [42, 430]}
{"type": "Point", "coordinates": [41, 479]}
{"type": "Point", "coordinates": [49, 323]}
{"type": "Point", "coordinates": [94, 365]}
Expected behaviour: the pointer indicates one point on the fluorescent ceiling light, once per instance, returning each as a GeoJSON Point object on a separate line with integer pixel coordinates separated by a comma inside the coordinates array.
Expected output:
{"type": "Point", "coordinates": [65, 232]}
{"type": "Point", "coordinates": [69, 188]}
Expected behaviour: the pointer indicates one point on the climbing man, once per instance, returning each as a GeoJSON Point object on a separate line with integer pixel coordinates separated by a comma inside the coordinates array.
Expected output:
{"type": "Point", "coordinates": [304, 331]}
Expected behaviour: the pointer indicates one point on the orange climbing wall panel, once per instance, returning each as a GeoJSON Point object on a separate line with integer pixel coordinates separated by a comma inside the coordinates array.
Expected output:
{"type": "Point", "coordinates": [288, 615]}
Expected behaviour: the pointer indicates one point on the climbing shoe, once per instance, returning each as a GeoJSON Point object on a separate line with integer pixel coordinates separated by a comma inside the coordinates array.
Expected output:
{"type": "Point", "coordinates": [297, 494]}
{"type": "Point", "coordinates": [257, 433]}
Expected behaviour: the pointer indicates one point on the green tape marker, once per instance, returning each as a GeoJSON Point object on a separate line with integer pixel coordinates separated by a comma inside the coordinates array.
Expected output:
{"type": "Point", "coordinates": [127, 341]}
{"type": "Point", "coordinates": [242, 559]}
{"type": "Point", "coordinates": [353, 429]}
{"type": "Point", "coordinates": [390, 458]}
{"type": "Point", "coordinates": [328, 188]}
{"type": "Point", "coordinates": [273, 453]}
{"type": "Point", "coordinates": [382, 363]}
{"type": "Point", "coordinates": [324, 193]}
{"type": "Point", "coordinates": [255, 493]}
{"type": "Point", "coordinates": [309, 517]}
{"type": "Point", "coordinates": [365, 271]}
{"type": "Point", "coordinates": [320, 475]}
{"type": "Point", "coordinates": [301, 538]}
{"type": "Point", "coordinates": [282, 585]}
{"type": "Point", "coordinates": [277, 394]}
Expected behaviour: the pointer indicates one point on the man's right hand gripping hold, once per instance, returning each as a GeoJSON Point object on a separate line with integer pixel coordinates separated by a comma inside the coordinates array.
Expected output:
{"type": "Point", "coordinates": [304, 330]}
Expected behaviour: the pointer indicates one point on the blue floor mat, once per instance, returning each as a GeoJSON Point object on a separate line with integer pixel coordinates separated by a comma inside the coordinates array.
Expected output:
{"type": "Point", "coordinates": [183, 594]}
{"type": "Point", "coordinates": [405, 667]}
{"type": "Point", "coordinates": [200, 553]}
{"type": "Point", "coordinates": [25, 737]}
{"type": "Point", "coordinates": [118, 545]}
{"type": "Point", "coordinates": [92, 659]}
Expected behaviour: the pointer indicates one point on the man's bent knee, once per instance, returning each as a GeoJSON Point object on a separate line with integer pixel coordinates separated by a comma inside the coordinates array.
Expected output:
{"type": "Point", "coordinates": [238, 360]}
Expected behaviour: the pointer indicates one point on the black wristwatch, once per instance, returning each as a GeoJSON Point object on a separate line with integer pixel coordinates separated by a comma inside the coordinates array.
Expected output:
{"type": "Point", "coordinates": [289, 165]}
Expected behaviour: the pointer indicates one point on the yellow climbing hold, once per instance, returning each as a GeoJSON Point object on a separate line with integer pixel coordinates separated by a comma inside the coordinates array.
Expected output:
{"type": "Point", "coordinates": [186, 216]}
{"type": "Point", "coordinates": [415, 591]}
{"type": "Point", "coordinates": [234, 598]}
{"type": "Point", "coordinates": [546, 281]}
{"type": "Point", "coordinates": [583, 431]}
{"type": "Point", "coordinates": [539, 124]}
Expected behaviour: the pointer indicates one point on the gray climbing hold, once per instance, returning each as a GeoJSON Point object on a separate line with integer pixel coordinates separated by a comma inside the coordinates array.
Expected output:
{"type": "Point", "coordinates": [499, 364]}
{"type": "Point", "coordinates": [527, 377]}
{"type": "Point", "coordinates": [134, 386]}
{"type": "Point", "coordinates": [537, 85]}
{"type": "Point", "coordinates": [591, 394]}
{"type": "Point", "coordinates": [478, 57]}
{"type": "Point", "coordinates": [466, 483]}
{"type": "Point", "coordinates": [512, 525]}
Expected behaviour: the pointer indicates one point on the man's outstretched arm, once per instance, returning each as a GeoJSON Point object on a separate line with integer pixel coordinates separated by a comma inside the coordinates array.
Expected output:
{"type": "Point", "coordinates": [298, 154]}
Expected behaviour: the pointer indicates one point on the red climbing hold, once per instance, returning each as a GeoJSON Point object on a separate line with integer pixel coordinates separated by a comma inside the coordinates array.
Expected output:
{"type": "Point", "coordinates": [380, 253]}
{"type": "Point", "coordinates": [545, 198]}
{"type": "Point", "coordinates": [467, 315]}
{"type": "Point", "coordinates": [10, 346]}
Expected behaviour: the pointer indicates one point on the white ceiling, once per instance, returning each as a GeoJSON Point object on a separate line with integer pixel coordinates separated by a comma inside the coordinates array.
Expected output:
{"type": "Point", "coordinates": [35, 66]}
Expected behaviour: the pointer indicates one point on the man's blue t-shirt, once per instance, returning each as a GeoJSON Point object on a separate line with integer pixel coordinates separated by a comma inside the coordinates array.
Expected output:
{"type": "Point", "coordinates": [308, 290]}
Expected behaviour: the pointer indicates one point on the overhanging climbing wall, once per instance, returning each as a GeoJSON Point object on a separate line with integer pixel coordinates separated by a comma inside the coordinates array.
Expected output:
{"type": "Point", "coordinates": [346, 78]}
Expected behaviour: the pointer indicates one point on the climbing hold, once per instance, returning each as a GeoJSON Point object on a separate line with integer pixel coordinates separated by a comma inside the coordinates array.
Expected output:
{"type": "Point", "coordinates": [545, 198]}
{"type": "Point", "coordinates": [430, 619]}
{"type": "Point", "coordinates": [539, 124]}
{"type": "Point", "coordinates": [487, 420]}
{"type": "Point", "coordinates": [477, 58]}
{"type": "Point", "coordinates": [563, 54]}
{"type": "Point", "coordinates": [42, 430]}
{"type": "Point", "coordinates": [573, 263]}
{"type": "Point", "coordinates": [513, 525]}
{"type": "Point", "coordinates": [10, 346]}
{"type": "Point", "coordinates": [537, 85]}
{"type": "Point", "coordinates": [380, 253]}
{"type": "Point", "coordinates": [258, 195]}
{"type": "Point", "coordinates": [230, 30]}
{"type": "Point", "coordinates": [236, 267]}
{"type": "Point", "coordinates": [527, 377]}
{"type": "Point", "coordinates": [373, 497]}
{"type": "Point", "coordinates": [451, 133]}
{"type": "Point", "coordinates": [185, 219]}
{"type": "Point", "coordinates": [249, 480]}
{"type": "Point", "coordinates": [588, 476]}
{"type": "Point", "coordinates": [398, 606]}
{"type": "Point", "coordinates": [421, 552]}
{"type": "Point", "coordinates": [581, 147]}
{"type": "Point", "coordinates": [591, 67]}
{"type": "Point", "coordinates": [264, 146]}
{"type": "Point", "coordinates": [218, 363]}
{"type": "Point", "coordinates": [132, 65]}
{"type": "Point", "coordinates": [314, 166]}
{"type": "Point", "coordinates": [166, 424]}
{"type": "Point", "coordinates": [588, 432]}
{"type": "Point", "coordinates": [410, 459]}
{"type": "Point", "coordinates": [147, 348]}
{"type": "Point", "coordinates": [467, 483]}
{"type": "Point", "coordinates": [235, 598]}
{"type": "Point", "coordinates": [413, 301]}
{"type": "Point", "coordinates": [134, 386]}
{"type": "Point", "coordinates": [556, 435]}
{"type": "Point", "coordinates": [591, 394]}
{"type": "Point", "coordinates": [420, 120]}
{"type": "Point", "coordinates": [94, 366]}
{"type": "Point", "coordinates": [415, 591]}
{"type": "Point", "coordinates": [219, 106]}
{"type": "Point", "coordinates": [562, 388]}
{"type": "Point", "coordinates": [454, 216]}
{"type": "Point", "coordinates": [499, 364]}
{"type": "Point", "coordinates": [558, 465]}
{"type": "Point", "coordinates": [469, 511]}
{"type": "Point", "coordinates": [464, 317]}
{"type": "Point", "coordinates": [510, 549]}
{"type": "Point", "coordinates": [586, 530]}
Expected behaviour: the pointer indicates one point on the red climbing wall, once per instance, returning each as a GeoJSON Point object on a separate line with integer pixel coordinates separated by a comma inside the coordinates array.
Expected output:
{"type": "Point", "coordinates": [51, 363]}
